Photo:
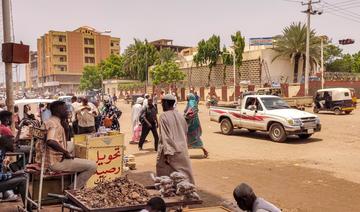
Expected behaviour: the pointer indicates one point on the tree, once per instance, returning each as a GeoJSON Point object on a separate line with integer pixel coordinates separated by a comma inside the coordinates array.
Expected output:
{"type": "Point", "coordinates": [292, 44]}
{"type": "Point", "coordinates": [165, 55]}
{"type": "Point", "coordinates": [166, 73]}
{"type": "Point", "coordinates": [208, 53]}
{"type": "Point", "coordinates": [112, 67]}
{"type": "Point", "coordinates": [227, 60]}
{"type": "Point", "coordinates": [346, 63]}
{"type": "Point", "coordinates": [138, 57]}
{"type": "Point", "coordinates": [91, 78]}
{"type": "Point", "coordinates": [238, 45]}
{"type": "Point", "coordinates": [331, 52]}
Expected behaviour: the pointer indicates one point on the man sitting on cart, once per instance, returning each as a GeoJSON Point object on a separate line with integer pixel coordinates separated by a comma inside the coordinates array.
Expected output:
{"type": "Point", "coordinates": [57, 156]}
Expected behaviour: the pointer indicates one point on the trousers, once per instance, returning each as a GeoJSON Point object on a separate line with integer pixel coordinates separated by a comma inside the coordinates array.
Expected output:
{"type": "Point", "coordinates": [145, 131]}
{"type": "Point", "coordinates": [84, 168]}
{"type": "Point", "coordinates": [18, 184]}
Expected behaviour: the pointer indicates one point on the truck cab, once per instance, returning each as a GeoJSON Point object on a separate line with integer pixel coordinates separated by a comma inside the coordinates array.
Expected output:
{"type": "Point", "coordinates": [266, 113]}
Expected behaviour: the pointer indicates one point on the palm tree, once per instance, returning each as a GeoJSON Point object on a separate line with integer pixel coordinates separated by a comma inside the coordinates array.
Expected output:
{"type": "Point", "coordinates": [292, 44]}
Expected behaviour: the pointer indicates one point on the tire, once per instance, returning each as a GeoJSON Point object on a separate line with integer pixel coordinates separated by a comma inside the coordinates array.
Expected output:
{"type": "Point", "coordinates": [226, 127]}
{"type": "Point", "coordinates": [337, 111]}
{"type": "Point", "coordinates": [304, 136]}
{"type": "Point", "coordinates": [316, 110]}
{"type": "Point", "coordinates": [348, 112]}
{"type": "Point", "coordinates": [277, 133]}
{"type": "Point", "coordinates": [251, 131]}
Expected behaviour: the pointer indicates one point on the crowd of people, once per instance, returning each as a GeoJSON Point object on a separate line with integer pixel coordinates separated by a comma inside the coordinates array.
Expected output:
{"type": "Point", "coordinates": [174, 133]}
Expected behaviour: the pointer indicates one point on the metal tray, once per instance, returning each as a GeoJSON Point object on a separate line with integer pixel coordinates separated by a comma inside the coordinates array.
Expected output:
{"type": "Point", "coordinates": [169, 201]}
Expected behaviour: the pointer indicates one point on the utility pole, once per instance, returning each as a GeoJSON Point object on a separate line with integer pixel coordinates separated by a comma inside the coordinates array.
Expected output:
{"type": "Point", "coordinates": [308, 12]}
{"type": "Point", "coordinates": [8, 66]}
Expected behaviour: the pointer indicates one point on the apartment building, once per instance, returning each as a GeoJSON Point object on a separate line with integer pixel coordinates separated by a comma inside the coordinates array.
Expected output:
{"type": "Point", "coordinates": [63, 55]}
{"type": "Point", "coordinates": [31, 73]}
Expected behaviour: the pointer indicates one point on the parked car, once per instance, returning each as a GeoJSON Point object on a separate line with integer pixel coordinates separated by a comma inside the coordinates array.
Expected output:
{"type": "Point", "coordinates": [266, 113]}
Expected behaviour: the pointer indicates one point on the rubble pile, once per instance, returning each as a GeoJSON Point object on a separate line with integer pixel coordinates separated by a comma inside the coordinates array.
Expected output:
{"type": "Point", "coordinates": [117, 193]}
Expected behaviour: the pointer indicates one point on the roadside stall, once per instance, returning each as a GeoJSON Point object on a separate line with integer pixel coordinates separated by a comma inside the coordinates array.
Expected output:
{"type": "Point", "coordinates": [106, 149]}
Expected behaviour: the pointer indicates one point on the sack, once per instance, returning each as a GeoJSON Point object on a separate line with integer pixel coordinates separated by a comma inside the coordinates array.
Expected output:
{"type": "Point", "coordinates": [107, 122]}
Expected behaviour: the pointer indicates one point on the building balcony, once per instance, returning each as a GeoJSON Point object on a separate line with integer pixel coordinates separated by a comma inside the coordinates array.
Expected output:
{"type": "Point", "coordinates": [59, 53]}
{"type": "Point", "coordinates": [57, 42]}
{"type": "Point", "coordinates": [57, 62]}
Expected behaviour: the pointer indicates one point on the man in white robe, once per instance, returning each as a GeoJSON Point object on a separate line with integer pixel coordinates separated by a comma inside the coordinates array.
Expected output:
{"type": "Point", "coordinates": [136, 109]}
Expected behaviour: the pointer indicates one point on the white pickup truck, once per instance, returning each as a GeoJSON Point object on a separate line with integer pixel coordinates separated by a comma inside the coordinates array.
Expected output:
{"type": "Point", "coordinates": [266, 113]}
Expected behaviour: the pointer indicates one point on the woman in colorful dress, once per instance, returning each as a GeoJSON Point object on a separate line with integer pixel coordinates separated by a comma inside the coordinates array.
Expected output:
{"type": "Point", "coordinates": [194, 127]}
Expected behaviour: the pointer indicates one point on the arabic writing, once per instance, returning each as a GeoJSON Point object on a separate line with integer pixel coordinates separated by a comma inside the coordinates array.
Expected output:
{"type": "Point", "coordinates": [109, 162]}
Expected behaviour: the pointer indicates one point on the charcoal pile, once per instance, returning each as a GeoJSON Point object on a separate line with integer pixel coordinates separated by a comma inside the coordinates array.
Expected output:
{"type": "Point", "coordinates": [117, 193]}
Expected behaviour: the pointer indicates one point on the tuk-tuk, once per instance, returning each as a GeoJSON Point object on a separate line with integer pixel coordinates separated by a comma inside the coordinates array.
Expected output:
{"type": "Point", "coordinates": [337, 100]}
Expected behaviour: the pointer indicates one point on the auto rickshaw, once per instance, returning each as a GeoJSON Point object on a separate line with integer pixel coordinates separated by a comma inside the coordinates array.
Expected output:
{"type": "Point", "coordinates": [337, 100]}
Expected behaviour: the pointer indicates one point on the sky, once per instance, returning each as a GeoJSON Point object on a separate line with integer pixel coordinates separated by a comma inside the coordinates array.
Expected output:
{"type": "Point", "coordinates": [184, 21]}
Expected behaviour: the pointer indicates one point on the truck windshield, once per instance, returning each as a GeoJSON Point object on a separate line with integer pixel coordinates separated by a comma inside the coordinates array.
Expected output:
{"type": "Point", "coordinates": [272, 103]}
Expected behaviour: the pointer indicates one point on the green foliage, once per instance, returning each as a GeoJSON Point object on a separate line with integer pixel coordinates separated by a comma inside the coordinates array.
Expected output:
{"type": "Point", "coordinates": [208, 53]}
{"type": "Point", "coordinates": [166, 73]}
{"type": "Point", "coordinates": [165, 55]}
{"type": "Point", "coordinates": [239, 45]}
{"type": "Point", "coordinates": [292, 44]}
{"type": "Point", "coordinates": [227, 60]}
{"type": "Point", "coordinates": [138, 57]}
{"type": "Point", "coordinates": [331, 53]}
{"type": "Point", "coordinates": [91, 78]}
{"type": "Point", "coordinates": [346, 63]}
{"type": "Point", "coordinates": [112, 67]}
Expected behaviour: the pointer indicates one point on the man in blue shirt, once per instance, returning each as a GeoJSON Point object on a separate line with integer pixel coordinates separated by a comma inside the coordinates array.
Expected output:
{"type": "Point", "coordinates": [11, 181]}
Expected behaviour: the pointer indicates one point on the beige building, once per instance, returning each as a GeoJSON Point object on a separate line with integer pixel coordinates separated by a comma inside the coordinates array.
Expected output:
{"type": "Point", "coordinates": [31, 78]}
{"type": "Point", "coordinates": [63, 55]}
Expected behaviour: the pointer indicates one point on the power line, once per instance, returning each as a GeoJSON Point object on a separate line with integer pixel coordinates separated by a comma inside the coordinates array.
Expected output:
{"type": "Point", "coordinates": [294, 1]}
{"type": "Point", "coordinates": [345, 3]}
{"type": "Point", "coordinates": [341, 9]}
{"type": "Point", "coordinates": [345, 17]}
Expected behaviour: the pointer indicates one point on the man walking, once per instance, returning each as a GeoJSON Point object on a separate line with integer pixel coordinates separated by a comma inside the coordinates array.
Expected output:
{"type": "Point", "coordinates": [173, 151]}
{"type": "Point", "coordinates": [149, 122]}
{"type": "Point", "coordinates": [57, 155]}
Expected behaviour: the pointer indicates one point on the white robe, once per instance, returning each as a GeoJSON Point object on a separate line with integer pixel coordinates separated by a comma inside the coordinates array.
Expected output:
{"type": "Point", "coordinates": [136, 109]}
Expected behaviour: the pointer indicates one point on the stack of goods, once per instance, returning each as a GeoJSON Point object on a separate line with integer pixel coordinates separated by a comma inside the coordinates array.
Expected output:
{"type": "Point", "coordinates": [117, 193]}
{"type": "Point", "coordinates": [176, 184]}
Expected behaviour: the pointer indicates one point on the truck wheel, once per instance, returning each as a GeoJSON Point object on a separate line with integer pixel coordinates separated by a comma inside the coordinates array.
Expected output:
{"type": "Point", "coordinates": [277, 133]}
{"type": "Point", "coordinates": [337, 111]}
{"type": "Point", "coordinates": [348, 112]}
{"type": "Point", "coordinates": [251, 131]}
{"type": "Point", "coordinates": [304, 136]}
{"type": "Point", "coordinates": [226, 127]}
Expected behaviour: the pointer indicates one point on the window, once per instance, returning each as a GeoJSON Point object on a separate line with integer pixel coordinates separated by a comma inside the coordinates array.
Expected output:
{"type": "Point", "coordinates": [61, 39]}
{"type": "Point", "coordinates": [89, 41]}
{"type": "Point", "coordinates": [250, 101]}
{"type": "Point", "coordinates": [346, 94]}
{"type": "Point", "coordinates": [89, 60]}
{"type": "Point", "coordinates": [112, 44]}
{"type": "Point", "coordinates": [62, 49]}
{"type": "Point", "coordinates": [62, 68]}
{"type": "Point", "coordinates": [62, 59]}
{"type": "Point", "coordinates": [89, 50]}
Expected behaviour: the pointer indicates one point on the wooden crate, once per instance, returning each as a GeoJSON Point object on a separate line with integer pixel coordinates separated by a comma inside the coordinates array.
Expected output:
{"type": "Point", "coordinates": [107, 152]}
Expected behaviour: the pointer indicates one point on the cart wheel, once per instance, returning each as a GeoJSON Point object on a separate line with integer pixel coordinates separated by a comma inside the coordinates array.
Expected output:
{"type": "Point", "coordinates": [337, 111]}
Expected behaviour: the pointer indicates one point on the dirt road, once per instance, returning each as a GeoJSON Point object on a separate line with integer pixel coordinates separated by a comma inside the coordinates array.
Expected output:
{"type": "Point", "coordinates": [319, 174]}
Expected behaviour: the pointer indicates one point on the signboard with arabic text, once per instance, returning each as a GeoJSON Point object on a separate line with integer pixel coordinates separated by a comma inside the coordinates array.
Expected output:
{"type": "Point", "coordinates": [266, 41]}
